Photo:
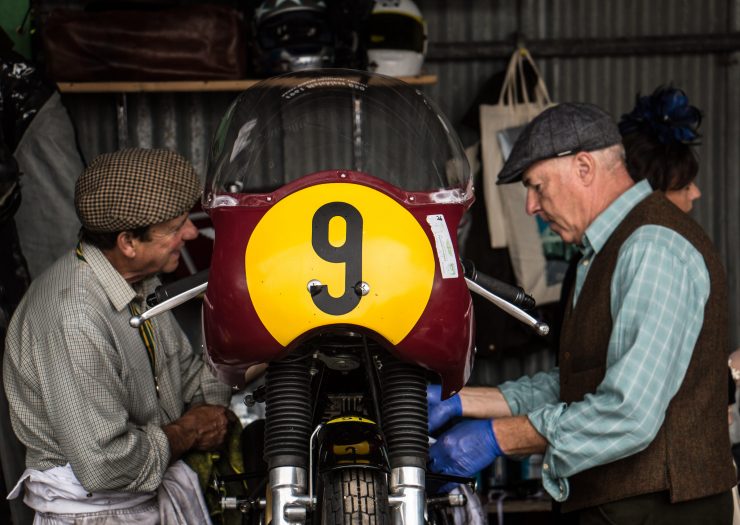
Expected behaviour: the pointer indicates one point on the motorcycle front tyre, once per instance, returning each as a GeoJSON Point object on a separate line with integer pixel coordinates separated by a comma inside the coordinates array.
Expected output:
{"type": "Point", "coordinates": [355, 496]}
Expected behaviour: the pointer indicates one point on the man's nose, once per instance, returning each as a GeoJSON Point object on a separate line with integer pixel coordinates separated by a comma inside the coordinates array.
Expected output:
{"type": "Point", "coordinates": [189, 231]}
{"type": "Point", "coordinates": [697, 191]}
{"type": "Point", "coordinates": [533, 203]}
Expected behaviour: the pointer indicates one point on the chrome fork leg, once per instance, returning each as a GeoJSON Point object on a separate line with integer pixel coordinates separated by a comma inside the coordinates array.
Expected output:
{"type": "Point", "coordinates": [406, 498]}
{"type": "Point", "coordinates": [290, 504]}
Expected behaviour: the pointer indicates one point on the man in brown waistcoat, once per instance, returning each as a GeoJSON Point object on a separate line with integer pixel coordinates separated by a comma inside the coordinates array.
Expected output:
{"type": "Point", "coordinates": [632, 424]}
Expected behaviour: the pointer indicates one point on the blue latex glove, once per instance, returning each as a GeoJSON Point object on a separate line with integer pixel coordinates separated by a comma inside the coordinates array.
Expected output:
{"type": "Point", "coordinates": [440, 412]}
{"type": "Point", "coordinates": [465, 449]}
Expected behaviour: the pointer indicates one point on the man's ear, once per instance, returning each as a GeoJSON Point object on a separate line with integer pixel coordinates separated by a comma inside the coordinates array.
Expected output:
{"type": "Point", "coordinates": [126, 244]}
{"type": "Point", "coordinates": [585, 166]}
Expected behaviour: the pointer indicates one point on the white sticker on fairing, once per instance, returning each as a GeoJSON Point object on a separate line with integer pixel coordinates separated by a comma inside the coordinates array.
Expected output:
{"type": "Point", "coordinates": [445, 249]}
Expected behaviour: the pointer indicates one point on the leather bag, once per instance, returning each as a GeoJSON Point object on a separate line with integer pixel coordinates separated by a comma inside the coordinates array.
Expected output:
{"type": "Point", "coordinates": [197, 42]}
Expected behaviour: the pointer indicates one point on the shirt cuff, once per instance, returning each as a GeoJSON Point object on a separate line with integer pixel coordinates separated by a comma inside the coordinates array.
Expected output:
{"type": "Point", "coordinates": [544, 421]}
{"type": "Point", "coordinates": [150, 475]}
{"type": "Point", "coordinates": [511, 392]}
{"type": "Point", "coordinates": [558, 488]}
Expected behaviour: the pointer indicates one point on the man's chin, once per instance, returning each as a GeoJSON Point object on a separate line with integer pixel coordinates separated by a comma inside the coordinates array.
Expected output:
{"type": "Point", "coordinates": [556, 230]}
{"type": "Point", "coordinates": [171, 265]}
{"type": "Point", "coordinates": [566, 237]}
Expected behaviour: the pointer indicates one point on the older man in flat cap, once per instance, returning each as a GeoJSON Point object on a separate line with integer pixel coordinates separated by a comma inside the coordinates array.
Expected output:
{"type": "Point", "coordinates": [632, 424]}
{"type": "Point", "coordinates": [106, 410]}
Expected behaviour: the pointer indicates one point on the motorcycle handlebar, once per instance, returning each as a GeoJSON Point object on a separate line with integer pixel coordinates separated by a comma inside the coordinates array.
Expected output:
{"type": "Point", "coordinates": [508, 292]}
{"type": "Point", "coordinates": [513, 294]}
{"type": "Point", "coordinates": [168, 291]}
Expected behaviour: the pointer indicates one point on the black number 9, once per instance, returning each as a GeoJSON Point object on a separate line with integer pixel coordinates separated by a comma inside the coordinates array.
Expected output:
{"type": "Point", "coordinates": [349, 253]}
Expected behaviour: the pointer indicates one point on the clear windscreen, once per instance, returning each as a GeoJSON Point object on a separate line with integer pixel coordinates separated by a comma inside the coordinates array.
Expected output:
{"type": "Point", "coordinates": [301, 123]}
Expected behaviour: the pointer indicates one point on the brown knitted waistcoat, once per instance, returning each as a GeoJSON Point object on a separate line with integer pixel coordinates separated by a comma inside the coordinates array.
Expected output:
{"type": "Point", "coordinates": [690, 456]}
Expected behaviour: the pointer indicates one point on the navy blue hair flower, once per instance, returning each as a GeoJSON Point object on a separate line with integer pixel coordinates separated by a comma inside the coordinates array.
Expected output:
{"type": "Point", "coordinates": [666, 114]}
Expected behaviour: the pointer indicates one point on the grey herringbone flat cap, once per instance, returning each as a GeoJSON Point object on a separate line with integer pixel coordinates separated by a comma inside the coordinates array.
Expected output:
{"type": "Point", "coordinates": [136, 187]}
{"type": "Point", "coordinates": [562, 130]}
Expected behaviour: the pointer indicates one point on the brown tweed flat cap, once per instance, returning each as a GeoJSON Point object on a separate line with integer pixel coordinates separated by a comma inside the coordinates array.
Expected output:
{"type": "Point", "coordinates": [135, 187]}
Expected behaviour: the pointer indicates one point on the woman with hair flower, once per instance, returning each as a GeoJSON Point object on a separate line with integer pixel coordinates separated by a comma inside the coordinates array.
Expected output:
{"type": "Point", "coordinates": [659, 136]}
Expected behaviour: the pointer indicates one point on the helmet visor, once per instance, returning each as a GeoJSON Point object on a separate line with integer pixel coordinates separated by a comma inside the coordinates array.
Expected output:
{"type": "Point", "coordinates": [396, 31]}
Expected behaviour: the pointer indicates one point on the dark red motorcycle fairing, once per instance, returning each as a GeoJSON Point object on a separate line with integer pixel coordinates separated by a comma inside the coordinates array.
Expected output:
{"type": "Point", "coordinates": [441, 340]}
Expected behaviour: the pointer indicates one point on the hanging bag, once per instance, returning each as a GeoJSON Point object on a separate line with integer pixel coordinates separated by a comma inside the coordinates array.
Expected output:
{"type": "Point", "coordinates": [508, 222]}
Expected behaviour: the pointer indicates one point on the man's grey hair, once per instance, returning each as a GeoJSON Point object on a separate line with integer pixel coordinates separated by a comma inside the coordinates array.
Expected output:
{"type": "Point", "coordinates": [612, 157]}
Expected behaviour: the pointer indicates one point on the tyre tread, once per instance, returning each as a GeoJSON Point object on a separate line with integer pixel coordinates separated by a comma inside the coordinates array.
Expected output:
{"type": "Point", "coordinates": [355, 497]}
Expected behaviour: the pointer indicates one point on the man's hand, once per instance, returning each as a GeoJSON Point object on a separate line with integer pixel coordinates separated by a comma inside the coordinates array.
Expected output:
{"type": "Point", "coordinates": [203, 427]}
{"type": "Point", "coordinates": [210, 423]}
{"type": "Point", "coordinates": [440, 412]}
{"type": "Point", "coordinates": [465, 449]}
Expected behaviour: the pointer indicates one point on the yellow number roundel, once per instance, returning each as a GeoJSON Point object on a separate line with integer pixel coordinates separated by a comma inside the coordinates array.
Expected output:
{"type": "Point", "coordinates": [339, 234]}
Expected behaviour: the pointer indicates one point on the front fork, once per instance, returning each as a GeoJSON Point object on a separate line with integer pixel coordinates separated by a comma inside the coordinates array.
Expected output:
{"type": "Point", "coordinates": [290, 503]}
{"type": "Point", "coordinates": [288, 440]}
{"type": "Point", "coordinates": [406, 495]}
{"type": "Point", "coordinates": [404, 407]}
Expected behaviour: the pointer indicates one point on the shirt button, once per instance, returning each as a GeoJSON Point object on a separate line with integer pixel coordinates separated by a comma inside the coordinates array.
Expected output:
{"type": "Point", "coordinates": [545, 466]}
{"type": "Point", "coordinates": [585, 262]}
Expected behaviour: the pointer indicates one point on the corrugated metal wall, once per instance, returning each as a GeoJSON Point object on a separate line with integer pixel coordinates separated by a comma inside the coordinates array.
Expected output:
{"type": "Point", "coordinates": [187, 121]}
{"type": "Point", "coordinates": [711, 80]}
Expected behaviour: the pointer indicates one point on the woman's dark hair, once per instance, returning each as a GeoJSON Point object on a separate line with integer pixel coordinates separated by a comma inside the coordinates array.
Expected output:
{"type": "Point", "coordinates": [658, 136]}
{"type": "Point", "coordinates": [665, 166]}
{"type": "Point", "coordinates": [107, 240]}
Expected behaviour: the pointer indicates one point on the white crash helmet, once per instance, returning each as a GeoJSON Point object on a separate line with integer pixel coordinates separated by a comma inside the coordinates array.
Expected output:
{"type": "Point", "coordinates": [397, 38]}
{"type": "Point", "coordinates": [292, 35]}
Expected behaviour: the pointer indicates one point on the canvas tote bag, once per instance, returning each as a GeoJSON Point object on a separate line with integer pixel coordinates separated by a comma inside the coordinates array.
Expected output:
{"type": "Point", "coordinates": [508, 222]}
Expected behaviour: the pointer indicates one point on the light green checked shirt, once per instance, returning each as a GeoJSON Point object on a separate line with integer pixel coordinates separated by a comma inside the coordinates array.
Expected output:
{"type": "Point", "coordinates": [658, 292]}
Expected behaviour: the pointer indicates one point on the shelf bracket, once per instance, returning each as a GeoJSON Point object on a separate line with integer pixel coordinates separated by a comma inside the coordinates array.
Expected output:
{"type": "Point", "coordinates": [122, 120]}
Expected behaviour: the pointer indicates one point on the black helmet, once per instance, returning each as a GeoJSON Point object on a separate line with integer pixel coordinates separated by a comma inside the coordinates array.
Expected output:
{"type": "Point", "coordinates": [293, 35]}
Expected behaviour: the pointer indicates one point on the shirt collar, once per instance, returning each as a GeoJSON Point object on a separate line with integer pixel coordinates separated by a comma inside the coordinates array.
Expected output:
{"type": "Point", "coordinates": [120, 293]}
{"type": "Point", "coordinates": [601, 229]}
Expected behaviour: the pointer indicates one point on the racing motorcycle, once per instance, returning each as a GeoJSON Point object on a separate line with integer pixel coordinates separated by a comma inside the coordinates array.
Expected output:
{"type": "Point", "coordinates": [336, 196]}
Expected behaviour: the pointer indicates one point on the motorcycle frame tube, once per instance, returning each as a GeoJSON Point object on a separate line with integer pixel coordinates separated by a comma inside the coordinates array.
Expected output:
{"type": "Point", "coordinates": [406, 497]}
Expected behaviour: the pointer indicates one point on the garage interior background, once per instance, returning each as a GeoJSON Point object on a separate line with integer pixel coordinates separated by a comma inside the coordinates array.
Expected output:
{"type": "Point", "coordinates": [603, 51]}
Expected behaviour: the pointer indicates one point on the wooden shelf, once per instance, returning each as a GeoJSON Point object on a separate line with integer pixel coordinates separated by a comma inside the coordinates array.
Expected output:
{"type": "Point", "coordinates": [187, 85]}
